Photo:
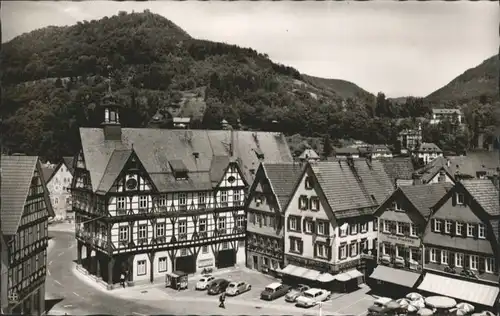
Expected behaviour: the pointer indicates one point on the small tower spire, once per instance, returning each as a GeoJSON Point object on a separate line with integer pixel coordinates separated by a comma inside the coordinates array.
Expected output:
{"type": "Point", "coordinates": [111, 123]}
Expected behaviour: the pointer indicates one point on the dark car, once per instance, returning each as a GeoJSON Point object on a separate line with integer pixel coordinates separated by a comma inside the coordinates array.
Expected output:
{"type": "Point", "coordinates": [274, 290]}
{"type": "Point", "coordinates": [217, 286]}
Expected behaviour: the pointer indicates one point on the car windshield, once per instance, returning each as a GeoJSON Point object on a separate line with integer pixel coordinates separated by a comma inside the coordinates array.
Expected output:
{"type": "Point", "coordinates": [268, 289]}
{"type": "Point", "coordinates": [308, 295]}
{"type": "Point", "coordinates": [232, 285]}
{"type": "Point", "coordinates": [203, 280]}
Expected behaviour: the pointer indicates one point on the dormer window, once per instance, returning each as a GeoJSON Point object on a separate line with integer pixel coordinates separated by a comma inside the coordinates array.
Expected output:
{"type": "Point", "coordinates": [460, 199]}
{"type": "Point", "coordinates": [179, 170]}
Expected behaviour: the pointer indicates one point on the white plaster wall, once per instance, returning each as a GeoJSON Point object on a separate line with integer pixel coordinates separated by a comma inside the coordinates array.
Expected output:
{"type": "Point", "coordinates": [138, 258]}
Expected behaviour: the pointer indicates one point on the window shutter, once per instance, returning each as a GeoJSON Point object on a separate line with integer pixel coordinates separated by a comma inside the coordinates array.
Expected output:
{"type": "Point", "coordinates": [433, 225]}
{"type": "Point", "coordinates": [315, 250]}
{"type": "Point", "coordinates": [313, 227]}
{"type": "Point", "coordinates": [464, 229]}
{"type": "Point", "coordinates": [327, 228]}
{"type": "Point", "coordinates": [427, 255]}
{"type": "Point", "coordinates": [451, 258]}
{"type": "Point", "coordinates": [438, 256]}
{"type": "Point", "coordinates": [300, 204]}
{"type": "Point", "coordinates": [310, 203]}
{"type": "Point", "coordinates": [358, 228]}
{"type": "Point", "coordinates": [288, 223]}
{"type": "Point", "coordinates": [454, 199]}
{"type": "Point", "coordinates": [328, 252]}
{"type": "Point", "coordinates": [340, 252]}
{"type": "Point", "coordinates": [453, 228]}
{"type": "Point", "coordinates": [304, 223]}
{"type": "Point", "coordinates": [481, 264]}
{"type": "Point", "coordinates": [466, 261]}
{"type": "Point", "coordinates": [393, 228]}
{"type": "Point", "coordinates": [301, 245]}
{"type": "Point", "coordinates": [475, 230]}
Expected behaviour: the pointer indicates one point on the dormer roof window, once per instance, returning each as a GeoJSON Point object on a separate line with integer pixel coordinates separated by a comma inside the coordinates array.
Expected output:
{"type": "Point", "coordinates": [179, 169]}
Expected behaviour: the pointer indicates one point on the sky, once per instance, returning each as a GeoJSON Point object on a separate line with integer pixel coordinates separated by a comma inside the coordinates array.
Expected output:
{"type": "Point", "coordinates": [399, 48]}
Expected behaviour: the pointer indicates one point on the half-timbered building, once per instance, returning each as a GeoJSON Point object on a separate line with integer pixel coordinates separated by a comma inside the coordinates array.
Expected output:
{"type": "Point", "coordinates": [25, 209]}
{"type": "Point", "coordinates": [265, 207]}
{"type": "Point", "coordinates": [151, 201]}
{"type": "Point", "coordinates": [330, 234]}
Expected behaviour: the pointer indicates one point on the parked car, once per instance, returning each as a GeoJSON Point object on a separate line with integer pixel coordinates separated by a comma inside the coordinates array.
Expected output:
{"type": "Point", "coordinates": [217, 286]}
{"type": "Point", "coordinates": [204, 282]}
{"type": "Point", "coordinates": [296, 292]}
{"type": "Point", "coordinates": [236, 288]}
{"type": "Point", "coordinates": [312, 297]}
{"type": "Point", "coordinates": [274, 290]}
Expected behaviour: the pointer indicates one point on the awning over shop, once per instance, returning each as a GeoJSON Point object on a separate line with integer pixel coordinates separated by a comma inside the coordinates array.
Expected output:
{"type": "Point", "coordinates": [301, 272]}
{"type": "Point", "coordinates": [349, 275]}
{"type": "Point", "coordinates": [325, 277]}
{"type": "Point", "coordinates": [395, 276]}
{"type": "Point", "coordinates": [460, 289]}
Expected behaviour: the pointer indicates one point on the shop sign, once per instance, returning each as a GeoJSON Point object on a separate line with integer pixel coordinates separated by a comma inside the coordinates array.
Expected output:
{"type": "Point", "coordinates": [400, 240]}
{"type": "Point", "coordinates": [203, 263]}
{"type": "Point", "coordinates": [349, 265]}
{"type": "Point", "coordinates": [308, 263]}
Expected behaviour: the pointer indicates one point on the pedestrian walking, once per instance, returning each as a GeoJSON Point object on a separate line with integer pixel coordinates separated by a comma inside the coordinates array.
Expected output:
{"type": "Point", "coordinates": [122, 279]}
{"type": "Point", "coordinates": [222, 298]}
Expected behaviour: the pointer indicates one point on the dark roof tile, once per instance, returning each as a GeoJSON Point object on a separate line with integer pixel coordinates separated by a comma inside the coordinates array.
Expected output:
{"type": "Point", "coordinates": [425, 196]}
{"type": "Point", "coordinates": [155, 148]}
{"type": "Point", "coordinates": [116, 162]}
{"type": "Point", "coordinates": [362, 185]}
{"type": "Point", "coordinates": [68, 161]}
{"type": "Point", "coordinates": [485, 193]}
{"type": "Point", "coordinates": [398, 168]}
{"type": "Point", "coordinates": [282, 177]}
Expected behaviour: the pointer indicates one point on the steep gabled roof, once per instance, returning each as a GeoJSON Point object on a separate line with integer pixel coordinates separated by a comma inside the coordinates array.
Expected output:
{"type": "Point", "coordinates": [116, 162]}
{"type": "Point", "coordinates": [309, 153]}
{"type": "Point", "coordinates": [353, 190]}
{"type": "Point", "coordinates": [47, 173]}
{"type": "Point", "coordinates": [17, 174]}
{"type": "Point", "coordinates": [156, 148]}
{"type": "Point", "coordinates": [485, 193]}
{"type": "Point", "coordinates": [282, 177]}
{"type": "Point", "coordinates": [68, 161]}
{"type": "Point", "coordinates": [429, 147]}
{"type": "Point", "coordinates": [425, 196]}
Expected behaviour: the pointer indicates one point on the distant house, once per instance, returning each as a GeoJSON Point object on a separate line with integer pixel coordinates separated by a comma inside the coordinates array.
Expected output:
{"type": "Point", "coordinates": [309, 155]}
{"type": "Point", "coordinates": [378, 151]}
{"type": "Point", "coordinates": [181, 122]}
{"type": "Point", "coordinates": [478, 165]}
{"type": "Point", "coordinates": [345, 152]}
{"type": "Point", "coordinates": [439, 115]}
{"type": "Point", "coordinates": [399, 169]}
{"type": "Point", "coordinates": [427, 152]}
{"type": "Point", "coordinates": [410, 138]}
{"type": "Point", "coordinates": [58, 181]}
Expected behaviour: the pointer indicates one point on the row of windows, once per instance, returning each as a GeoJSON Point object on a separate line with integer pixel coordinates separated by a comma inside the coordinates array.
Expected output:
{"type": "Point", "coordinates": [264, 219]}
{"type": "Point", "coordinates": [22, 271]}
{"type": "Point", "coordinates": [121, 202]}
{"type": "Point", "coordinates": [461, 260]}
{"type": "Point", "coordinates": [402, 252]}
{"type": "Point", "coordinates": [311, 203]}
{"type": "Point", "coordinates": [459, 228]}
{"type": "Point", "coordinates": [142, 230]}
{"type": "Point", "coordinates": [324, 251]}
{"type": "Point", "coordinates": [28, 236]}
{"type": "Point", "coordinates": [400, 228]}
{"type": "Point", "coordinates": [310, 226]}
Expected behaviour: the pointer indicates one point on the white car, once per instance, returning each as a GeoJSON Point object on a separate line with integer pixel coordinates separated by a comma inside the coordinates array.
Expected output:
{"type": "Point", "coordinates": [312, 297]}
{"type": "Point", "coordinates": [236, 288]}
{"type": "Point", "coordinates": [204, 282]}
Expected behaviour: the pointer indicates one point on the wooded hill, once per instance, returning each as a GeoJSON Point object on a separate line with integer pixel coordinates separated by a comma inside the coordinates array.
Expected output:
{"type": "Point", "coordinates": [54, 78]}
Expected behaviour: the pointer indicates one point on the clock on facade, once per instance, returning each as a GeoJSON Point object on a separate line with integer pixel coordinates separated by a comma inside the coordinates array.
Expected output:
{"type": "Point", "coordinates": [231, 179]}
{"type": "Point", "coordinates": [131, 184]}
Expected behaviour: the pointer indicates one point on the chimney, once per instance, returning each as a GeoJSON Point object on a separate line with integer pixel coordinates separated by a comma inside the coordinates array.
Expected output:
{"type": "Point", "coordinates": [417, 179]}
{"type": "Point", "coordinates": [196, 155]}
